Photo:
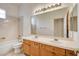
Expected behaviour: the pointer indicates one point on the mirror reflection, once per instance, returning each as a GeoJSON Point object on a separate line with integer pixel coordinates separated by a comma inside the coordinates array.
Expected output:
{"type": "Point", "coordinates": [55, 23]}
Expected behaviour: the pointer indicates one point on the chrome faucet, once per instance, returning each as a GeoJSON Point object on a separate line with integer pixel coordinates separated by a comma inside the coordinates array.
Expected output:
{"type": "Point", "coordinates": [55, 39]}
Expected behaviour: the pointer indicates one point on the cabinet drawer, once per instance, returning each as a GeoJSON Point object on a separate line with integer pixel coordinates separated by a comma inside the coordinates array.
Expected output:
{"type": "Point", "coordinates": [26, 41]}
{"type": "Point", "coordinates": [42, 46]}
{"type": "Point", "coordinates": [59, 51]}
{"type": "Point", "coordinates": [52, 51]}
{"type": "Point", "coordinates": [35, 44]}
{"type": "Point", "coordinates": [46, 50]}
{"type": "Point", "coordinates": [55, 50]}
{"type": "Point", "coordinates": [70, 53]}
{"type": "Point", "coordinates": [49, 48]}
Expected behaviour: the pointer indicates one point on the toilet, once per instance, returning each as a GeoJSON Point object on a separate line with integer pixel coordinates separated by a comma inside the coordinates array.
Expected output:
{"type": "Point", "coordinates": [17, 47]}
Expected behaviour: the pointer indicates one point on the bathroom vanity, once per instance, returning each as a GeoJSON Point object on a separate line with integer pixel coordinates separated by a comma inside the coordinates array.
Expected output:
{"type": "Point", "coordinates": [39, 47]}
{"type": "Point", "coordinates": [61, 25]}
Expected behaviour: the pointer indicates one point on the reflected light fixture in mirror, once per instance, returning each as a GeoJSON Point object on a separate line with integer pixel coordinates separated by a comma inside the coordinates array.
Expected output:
{"type": "Point", "coordinates": [47, 7]}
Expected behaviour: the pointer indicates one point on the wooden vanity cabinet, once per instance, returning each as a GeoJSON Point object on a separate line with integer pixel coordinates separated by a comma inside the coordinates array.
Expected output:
{"type": "Point", "coordinates": [70, 53]}
{"type": "Point", "coordinates": [59, 51]}
{"type": "Point", "coordinates": [46, 50]}
{"type": "Point", "coordinates": [26, 47]}
{"type": "Point", "coordinates": [35, 48]}
{"type": "Point", "coordinates": [30, 48]}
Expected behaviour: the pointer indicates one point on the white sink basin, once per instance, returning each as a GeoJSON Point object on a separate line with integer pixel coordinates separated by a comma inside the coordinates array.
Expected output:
{"type": "Point", "coordinates": [55, 41]}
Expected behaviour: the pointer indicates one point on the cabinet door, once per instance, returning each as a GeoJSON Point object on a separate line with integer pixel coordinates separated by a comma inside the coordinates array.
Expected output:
{"type": "Point", "coordinates": [70, 53]}
{"type": "Point", "coordinates": [44, 51]}
{"type": "Point", "coordinates": [59, 51]}
{"type": "Point", "coordinates": [34, 49]}
{"type": "Point", "coordinates": [26, 49]}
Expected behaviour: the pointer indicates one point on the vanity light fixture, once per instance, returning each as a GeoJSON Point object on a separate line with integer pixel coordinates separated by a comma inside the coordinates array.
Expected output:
{"type": "Point", "coordinates": [48, 7]}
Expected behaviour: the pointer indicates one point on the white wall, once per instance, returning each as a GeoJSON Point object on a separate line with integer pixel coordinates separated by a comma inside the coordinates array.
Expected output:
{"type": "Point", "coordinates": [45, 22]}
{"type": "Point", "coordinates": [76, 34]}
{"type": "Point", "coordinates": [26, 14]}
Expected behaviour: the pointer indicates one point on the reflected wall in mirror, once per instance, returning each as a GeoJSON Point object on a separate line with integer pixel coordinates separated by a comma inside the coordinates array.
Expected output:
{"type": "Point", "coordinates": [33, 25]}
{"type": "Point", "coordinates": [50, 24]}
{"type": "Point", "coordinates": [73, 23]}
{"type": "Point", "coordinates": [59, 27]}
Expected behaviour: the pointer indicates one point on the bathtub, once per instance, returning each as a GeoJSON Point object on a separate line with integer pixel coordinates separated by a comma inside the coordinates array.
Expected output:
{"type": "Point", "coordinates": [6, 47]}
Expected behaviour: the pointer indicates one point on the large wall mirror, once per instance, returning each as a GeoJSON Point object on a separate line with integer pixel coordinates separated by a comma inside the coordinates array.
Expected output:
{"type": "Point", "coordinates": [55, 23]}
{"type": "Point", "coordinates": [50, 24]}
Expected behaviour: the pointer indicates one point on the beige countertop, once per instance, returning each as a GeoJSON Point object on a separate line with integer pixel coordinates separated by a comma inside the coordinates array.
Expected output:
{"type": "Point", "coordinates": [62, 43]}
